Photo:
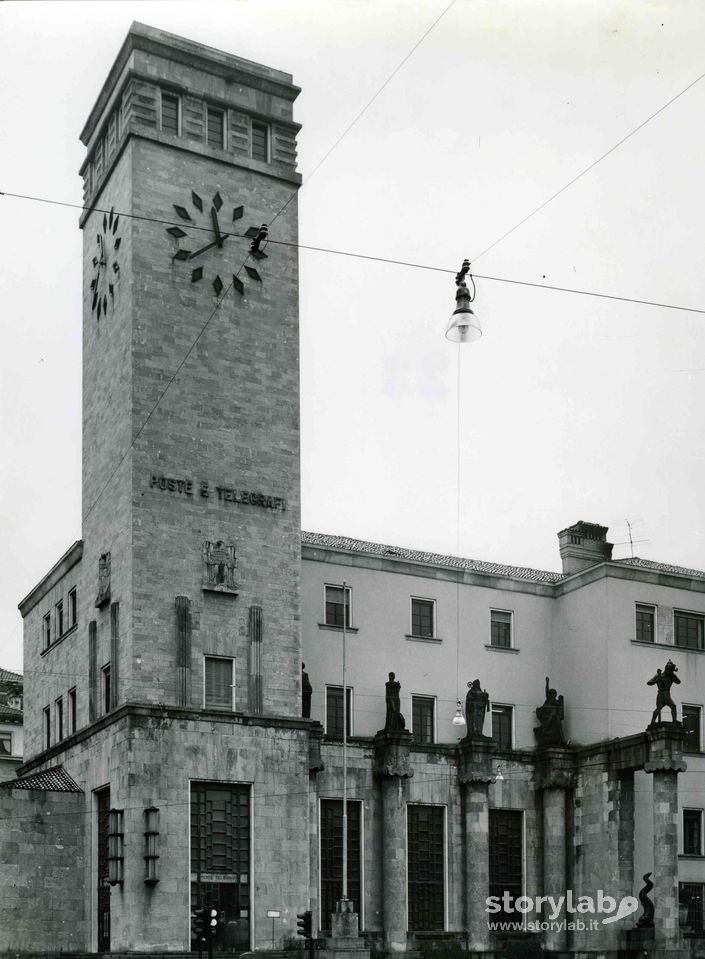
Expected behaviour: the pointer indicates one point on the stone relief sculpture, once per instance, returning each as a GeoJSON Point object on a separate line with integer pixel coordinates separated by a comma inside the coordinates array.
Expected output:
{"type": "Point", "coordinates": [663, 680]}
{"type": "Point", "coordinates": [394, 721]}
{"type": "Point", "coordinates": [103, 596]}
{"type": "Point", "coordinates": [477, 703]}
{"type": "Point", "coordinates": [550, 717]}
{"type": "Point", "coordinates": [219, 566]}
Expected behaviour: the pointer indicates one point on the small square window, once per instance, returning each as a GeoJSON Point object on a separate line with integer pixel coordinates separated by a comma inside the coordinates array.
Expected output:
{"type": "Point", "coordinates": [692, 832]}
{"type": "Point", "coordinates": [691, 898]}
{"type": "Point", "coordinates": [335, 595]}
{"type": "Point", "coordinates": [423, 724]}
{"type": "Point", "coordinates": [46, 630]}
{"type": "Point", "coordinates": [501, 628]}
{"type": "Point", "coordinates": [334, 711]}
{"type": "Point", "coordinates": [215, 127]}
{"type": "Point", "coordinates": [5, 744]}
{"type": "Point", "coordinates": [170, 113]}
{"type": "Point", "coordinates": [691, 729]}
{"type": "Point", "coordinates": [260, 141]}
{"type": "Point", "coordinates": [645, 626]}
{"type": "Point", "coordinates": [59, 619]}
{"type": "Point", "coordinates": [59, 710]}
{"type": "Point", "coordinates": [688, 629]}
{"type": "Point", "coordinates": [502, 722]}
{"type": "Point", "coordinates": [218, 683]}
{"type": "Point", "coordinates": [423, 618]}
{"type": "Point", "coordinates": [73, 607]}
{"type": "Point", "coordinates": [72, 710]}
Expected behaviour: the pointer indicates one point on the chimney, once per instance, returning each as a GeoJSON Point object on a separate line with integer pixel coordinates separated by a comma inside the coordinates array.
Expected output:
{"type": "Point", "coordinates": [583, 545]}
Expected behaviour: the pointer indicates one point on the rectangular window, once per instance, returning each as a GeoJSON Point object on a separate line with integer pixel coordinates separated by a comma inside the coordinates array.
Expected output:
{"type": "Point", "coordinates": [645, 631]}
{"type": "Point", "coordinates": [691, 729]}
{"type": "Point", "coordinates": [689, 629]}
{"type": "Point", "coordinates": [334, 711]}
{"type": "Point", "coordinates": [59, 610]}
{"type": "Point", "coordinates": [502, 722]}
{"type": "Point", "coordinates": [107, 692]}
{"type": "Point", "coordinates": [692, 832]}
{"type": "Point", "coordinates": [334, 605]}
{"type": "Point", "coordinates": [72, 710]}
{"type": "Point", "coordinates": [218, 683]}
{"type": "Point", "coordinates": [5, 744]}
{"type": "Point", "coordinates": [46, 714]}
{"type": "Point", "coordinates": [500, 628]}
{"type": "Point", "coordinates": [46, 630]}
{"type": "Point", "coordinates": [215, 123]}
{"type": "Point", "coordinates": [170, 113]}
{"type": "Point", "coordinates": [691, 897]}
{"type": "Point", "coordinates": [506, 857]}
{"type": "Point", "coordinates": [332, 856]}
{"type": "Point", "coordinates": [426, 868]}
{"type": "Point", "coordinates": [73, 607]}
{"type": "Point", "coordinates": [423, 617]}
{"type": "Point", "coordinates": [260, 141]}
{"type": "Point", "coordinates": [59, 712]}
{"type": "Point", "coordinates": [423, 719]}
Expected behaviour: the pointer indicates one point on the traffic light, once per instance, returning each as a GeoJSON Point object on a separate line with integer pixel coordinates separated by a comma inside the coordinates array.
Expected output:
{"type": "Point", "coordinates": [212, 919]}
{"type": "Point", "coordinates": [198, 924]}
{"type": "Point", "coordinates": [304, 926]}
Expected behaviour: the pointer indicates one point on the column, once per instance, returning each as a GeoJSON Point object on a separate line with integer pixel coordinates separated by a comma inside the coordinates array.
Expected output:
{"type": "Point", "coordinates": [665, 877]}
{"type": "Point", "coordinates": [477, 864]}
{"type": "Point", "coordinates": [554, 859]}
{"type": "Point", "coordinates": [393, 767]}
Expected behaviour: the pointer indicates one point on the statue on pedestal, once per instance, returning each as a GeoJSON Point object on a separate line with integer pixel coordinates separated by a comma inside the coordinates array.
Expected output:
{"type": "Point", "coordinates": [477, 703]}
{"type": "Point", "coordinates": [394, 721]}
{"type": "Point", "coordinates": [663, 680]}
{"type": "Point", "coordinates": [550, 717]}
{"type": "Point", "coordinates": [306, 691]}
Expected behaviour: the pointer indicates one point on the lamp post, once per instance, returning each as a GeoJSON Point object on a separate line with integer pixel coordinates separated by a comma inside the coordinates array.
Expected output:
{"type": "Point", "coordinates": [345, 758]}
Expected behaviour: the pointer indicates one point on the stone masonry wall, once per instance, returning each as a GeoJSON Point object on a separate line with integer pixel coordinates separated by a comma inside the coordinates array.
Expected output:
{"type": "Point", "coordinates": [42, 893]}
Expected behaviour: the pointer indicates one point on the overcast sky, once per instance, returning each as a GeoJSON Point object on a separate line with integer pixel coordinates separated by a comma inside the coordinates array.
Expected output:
{"type": "Point", "coordinates": [571, 407]}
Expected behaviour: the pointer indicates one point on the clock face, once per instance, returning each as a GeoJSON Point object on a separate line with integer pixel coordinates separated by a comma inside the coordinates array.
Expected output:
{"type": "Point", "coordinates": [106, 269]}
{"type": "Point", "coordinates": [207, 250]}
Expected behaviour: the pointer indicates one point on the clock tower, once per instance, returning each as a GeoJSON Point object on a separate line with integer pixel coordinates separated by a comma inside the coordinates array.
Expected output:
{"type": "Point", "coordinates": [190, 379]}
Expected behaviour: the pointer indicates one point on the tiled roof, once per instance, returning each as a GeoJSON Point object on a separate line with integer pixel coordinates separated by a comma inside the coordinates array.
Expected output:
{"type": "Point", "coordinates": [55, 779]}
{"type": "Point", "coordinates": [661, 567]}
{"type": "Point", "coordinates": [7, 676]}
{"type": "Point", "coordinates": [346, 544]}
{"type": "Point", "coordinates": [10, 714]}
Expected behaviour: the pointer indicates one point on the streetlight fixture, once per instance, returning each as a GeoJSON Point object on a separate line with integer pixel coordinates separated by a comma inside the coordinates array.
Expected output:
{"type": "Point", "coordinates": [458, 719]}
{"type": "Point", "coordinates": [463, 326]}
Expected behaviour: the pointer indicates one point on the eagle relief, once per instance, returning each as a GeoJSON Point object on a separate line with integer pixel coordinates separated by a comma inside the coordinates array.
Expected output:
{"type": "Point", "coordinates": [219, 567]}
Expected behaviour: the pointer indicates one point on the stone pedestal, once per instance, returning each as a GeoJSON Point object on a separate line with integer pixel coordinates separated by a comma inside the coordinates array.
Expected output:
{"type": "Point", "coordinates": [475, 776]}
{"type": "Point", "coordinates": [665, 743]}
{"type": "Point", "coordinates": [345, 941]}
{"type": "Point", "coordinates": [393, 767]}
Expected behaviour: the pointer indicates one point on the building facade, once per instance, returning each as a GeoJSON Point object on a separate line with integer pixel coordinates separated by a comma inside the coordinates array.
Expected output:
{"type": "Point", "coordinates": [11, 731]}
{"type": "Point", "coordinates": [177, 751]}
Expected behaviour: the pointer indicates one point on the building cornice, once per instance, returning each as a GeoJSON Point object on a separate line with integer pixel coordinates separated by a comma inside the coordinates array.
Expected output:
{"type": "Point", "coordinates": [71, 558]}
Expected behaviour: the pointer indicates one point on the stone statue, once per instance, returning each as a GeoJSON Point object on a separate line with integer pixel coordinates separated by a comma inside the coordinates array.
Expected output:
{"type": "Point", "coordinates": [663, 680]}
{"type": "Point", "coordinates": [550, 717]}
{"type": "Point", "coordinates": [306, 691]}
{"type": "Point", "coordinates": [103, 596]}
{"type": "Point", "coordinates": [394, 721]}
{"type": "Point", "coordinates": [477, 703]}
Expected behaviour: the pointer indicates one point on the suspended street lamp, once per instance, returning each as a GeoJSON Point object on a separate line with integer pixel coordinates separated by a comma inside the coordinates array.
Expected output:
{"type": "Point", "coordinates": [463, 326]}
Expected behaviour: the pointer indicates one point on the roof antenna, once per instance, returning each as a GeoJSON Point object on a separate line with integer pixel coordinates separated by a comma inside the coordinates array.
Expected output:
{"type": "Point", "coordinates": [631, 541]}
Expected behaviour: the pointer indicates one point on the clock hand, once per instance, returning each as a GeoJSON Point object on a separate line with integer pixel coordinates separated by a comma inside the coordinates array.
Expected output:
{"type": "Point", "coordinates": [203, 249]}
{"type": "Point", "coordinates": [216, 229]}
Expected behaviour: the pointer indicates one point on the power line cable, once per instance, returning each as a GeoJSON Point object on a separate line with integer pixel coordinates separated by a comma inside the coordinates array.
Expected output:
{"type": "Point", "coordinates": [588, 168]}
{"type": "Point", "coordinates": [389, 260]}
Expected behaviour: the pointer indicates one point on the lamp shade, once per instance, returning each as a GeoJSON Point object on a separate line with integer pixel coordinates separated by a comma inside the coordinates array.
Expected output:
{"type": "Point", "coordinates": [458, 719]}
{"type": "Point", "coordinates": [463, 326]}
